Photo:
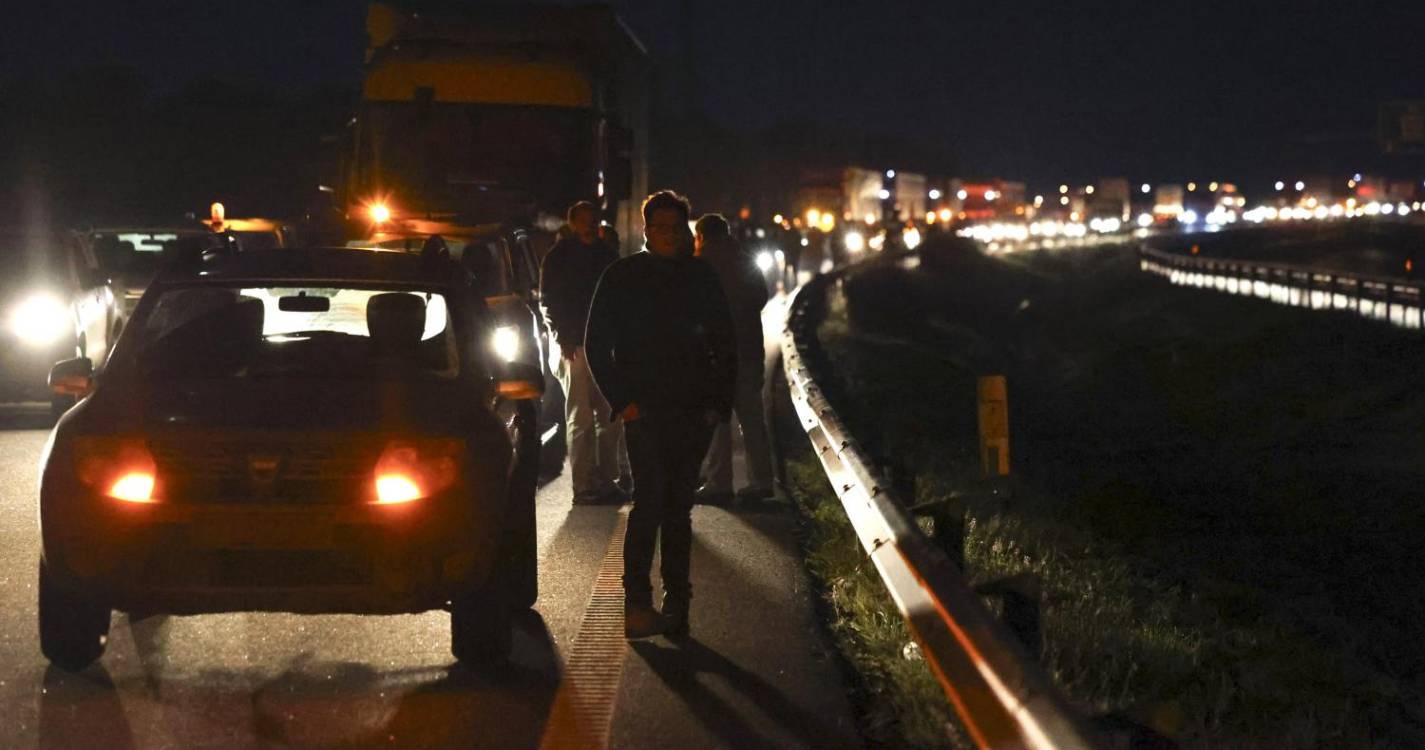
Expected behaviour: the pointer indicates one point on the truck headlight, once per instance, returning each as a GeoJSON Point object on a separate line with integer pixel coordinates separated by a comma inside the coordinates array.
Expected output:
{"type": "Point", "coordinates": [506, 343]}
{"type": "Point", "coordinates": [40, 319]}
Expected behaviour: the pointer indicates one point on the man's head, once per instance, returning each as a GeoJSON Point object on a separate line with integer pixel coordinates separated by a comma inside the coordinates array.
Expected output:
{"type": "Point", "coordinates": [665, 224]}
{"type": "Point", "coordinates": [710, 228]}
{"type": "Point", "coordinates": [583, 218]}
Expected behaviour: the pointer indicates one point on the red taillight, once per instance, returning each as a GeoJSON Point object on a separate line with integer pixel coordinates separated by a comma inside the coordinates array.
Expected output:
{"type": "Point", "coordinates": [120, 468]}
{"type": "Point", "coordinates": [412, 469]}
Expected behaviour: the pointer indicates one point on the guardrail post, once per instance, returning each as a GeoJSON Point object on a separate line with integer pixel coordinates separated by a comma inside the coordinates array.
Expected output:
{"type": "Point", "coordinates": [1020, 595]}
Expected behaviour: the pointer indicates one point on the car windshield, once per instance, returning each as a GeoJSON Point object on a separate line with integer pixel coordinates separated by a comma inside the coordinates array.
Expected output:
{"type": "Point", "coordinates": [251, 332]}
{"type": "Point", "coordinates": [140, 251]}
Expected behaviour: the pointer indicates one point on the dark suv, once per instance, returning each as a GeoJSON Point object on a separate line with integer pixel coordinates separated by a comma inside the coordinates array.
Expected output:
{"type": "Point", "coordinates": [309, 431]}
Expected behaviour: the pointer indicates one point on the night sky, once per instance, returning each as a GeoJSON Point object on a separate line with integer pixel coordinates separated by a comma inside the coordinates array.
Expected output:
{"type": "Point", "coordinates": [1038, 90]}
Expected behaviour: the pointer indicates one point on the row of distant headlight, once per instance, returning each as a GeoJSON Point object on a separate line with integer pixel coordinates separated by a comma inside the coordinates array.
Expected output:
{"type": "Point", "coordinates": [40, 319]}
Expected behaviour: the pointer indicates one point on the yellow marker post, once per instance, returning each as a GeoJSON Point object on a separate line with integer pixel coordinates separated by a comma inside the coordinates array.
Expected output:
{"type": "Point", "coordinates": [994, 426]}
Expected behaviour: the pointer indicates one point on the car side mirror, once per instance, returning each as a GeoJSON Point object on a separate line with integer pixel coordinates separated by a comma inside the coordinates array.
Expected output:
{"type": "Point", "coordinates": [72, 377]}
{"type": "Point", "coordinates": [518, 380]}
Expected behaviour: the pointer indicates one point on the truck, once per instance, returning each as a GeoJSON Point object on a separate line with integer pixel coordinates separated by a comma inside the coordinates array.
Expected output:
{"type": "Point", "coordinates": [503, 114]}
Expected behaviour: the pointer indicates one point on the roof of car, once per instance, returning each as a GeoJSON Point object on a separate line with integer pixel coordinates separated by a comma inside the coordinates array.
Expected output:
{"type": "Point", "coordinates": [351, 265]}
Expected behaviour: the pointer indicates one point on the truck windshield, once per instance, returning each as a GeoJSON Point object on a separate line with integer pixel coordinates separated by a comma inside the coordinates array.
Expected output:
{"type": "Point", "coordinates": [442, 151]}
{"type": "Point", "coordinates": [230, 332]}
{"type": "Point", "coordinates": [141, 251]}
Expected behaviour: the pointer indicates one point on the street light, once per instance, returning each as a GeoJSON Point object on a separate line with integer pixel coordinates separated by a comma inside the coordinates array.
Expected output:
{"type": "Point", "coordinates": [934, 194]}
{"type": "Point", "coordinates": [1280, 185]}
{"type": "Point", "coordinates": [1146, 188]}
{"type": "Point", "coordinates": [1300, 185]}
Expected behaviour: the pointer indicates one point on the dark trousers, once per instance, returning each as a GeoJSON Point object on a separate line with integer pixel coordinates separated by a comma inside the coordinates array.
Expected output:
{"type": "Point", "coordinates": [665, 452]}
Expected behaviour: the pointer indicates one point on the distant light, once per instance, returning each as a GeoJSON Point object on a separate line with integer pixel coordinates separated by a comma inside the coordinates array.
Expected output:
{"type": "Point", "coordinates": [946, 215]}
{"type": "Point", "coordinates": [1280, 185]}
{"type": "Point", "coordinates": [884, 194]}
{"type": "Point", "coordinates": [934, 194]}
{"type": "Point", "coordinates": [1402, 209]}
{"type": "Point", "coordinates": [761, 233]}
{"type": "Point", "coordinates": [1356, 177]}
{"type": "Point", "coordinates": [870, 219]}
{"type": "Point", "coordinates": [929, 217]}
{"type": "Point", "coordinates": [1145, 220]}
{"type": "Point", "coordinates": [1063, 188]}
{"type": "Point", "coordinates": [1088, 190]}
{"type": "Point", "coordinates": [1038, 200]}
{"type": "Point", "coordinates": [991, 195]}
{"type": "Point", "coordinates": [778, 219]}
{"type": "Point", "coordinates": [1146, 187]}
{"type": "Point", "coordinates": [813, 217]}
{"type": "Point", "coordinates": [1192, 187]}
{"type": "Point", "coordinates": [1064, 200]}
{"type": "Point", "coordinates": [828, 222]}
{"type": "Point", "coordinates": [380, 213]}
{"type": "Point", "coordinates": [890, 174]}
{"type": "Point", "coordinates": [1351, 183]}
{"type": "Point", "coordinates": [1300, 185]}
{"type": "Point", "coordinates": [1387, 209]}
{"type": "Point", "coordinates": [962, 194]}
{"type": "Point", "coordinates": [1212, 186]}
{"type": "Point", "coordinates": [806, 242]}
{"type": "Point", "coordinates": [855, 242]}
{"type": "Point", "coordinates": [1188, 217]}
{"type": "Point", "coordinates": [911, 238]}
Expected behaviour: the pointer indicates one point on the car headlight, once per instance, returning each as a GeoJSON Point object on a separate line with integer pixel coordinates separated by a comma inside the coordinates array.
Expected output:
{"type": "Point", "coordinates": [765, 261]}
{"type": "Point", "coordinates": [506, 343]}
{"type": "Point", "coordinates": [40, 319]}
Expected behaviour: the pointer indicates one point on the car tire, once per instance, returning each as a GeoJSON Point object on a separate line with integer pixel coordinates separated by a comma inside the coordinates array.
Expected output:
{"type": "Point", "coordinates": [73, 629]}
{"type": "Point", "coordinates": [522, 536]}
{"type": "Point", "coordinates": [480, 625]}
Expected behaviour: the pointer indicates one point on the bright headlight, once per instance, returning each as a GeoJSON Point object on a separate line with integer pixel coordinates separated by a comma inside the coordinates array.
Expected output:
{"type": "Point", "coordinates": [40, 319]}
{"type": "Point", "coordinates": [765, 261]}
{"type": "Point", "coordinates": [506, 343]}
{"type": "Point", "coordinates": [855, 242]}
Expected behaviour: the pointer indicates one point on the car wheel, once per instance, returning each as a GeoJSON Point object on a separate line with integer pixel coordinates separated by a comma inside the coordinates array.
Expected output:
{"type": "Point", "coordinates": [480, 626]}
{"type": "Point", "coordinates": [73, 629]}
{"type": "Point", "coordinates": [522, 537]}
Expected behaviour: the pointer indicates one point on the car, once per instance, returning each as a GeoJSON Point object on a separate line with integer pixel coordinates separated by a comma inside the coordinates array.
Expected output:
{"type": "Point", "coordinates": [323, 430]}
{"type": "Point", "coordinates": [49, 296]}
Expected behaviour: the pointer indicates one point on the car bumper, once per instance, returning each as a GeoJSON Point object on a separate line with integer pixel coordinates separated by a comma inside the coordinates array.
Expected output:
{"type": "Point", "coordinates": [192, 559]}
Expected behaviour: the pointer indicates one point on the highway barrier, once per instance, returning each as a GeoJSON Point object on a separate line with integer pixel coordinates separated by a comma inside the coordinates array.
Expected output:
{"type": "Point", "coordinates": [1002, 696]}
{"type": "Point", "coordinates": [1395, 300]}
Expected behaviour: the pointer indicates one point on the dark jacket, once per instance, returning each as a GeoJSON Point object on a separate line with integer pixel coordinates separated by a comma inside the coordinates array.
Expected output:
{"type": "Point", "coordinates": [746, 291]}
{"type": "Point", "coordinates": [566, 284]}
{"type": "Point", "coordinates": [660, 335]}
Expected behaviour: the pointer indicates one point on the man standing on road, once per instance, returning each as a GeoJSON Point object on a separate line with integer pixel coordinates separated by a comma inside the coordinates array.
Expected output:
{"type": "Point", "coordinates": [746, 292]}
{"type": "Point", "coordinates": [566, 284]}
{"type": "Point", "coordinates": [660, 345]}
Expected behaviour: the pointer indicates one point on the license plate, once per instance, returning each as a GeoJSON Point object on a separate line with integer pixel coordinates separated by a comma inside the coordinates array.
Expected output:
{"type": "Point", "coordinates": [265, 531]}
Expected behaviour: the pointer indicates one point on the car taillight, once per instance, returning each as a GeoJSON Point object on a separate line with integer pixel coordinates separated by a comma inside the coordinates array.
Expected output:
{"type": "Point", "coordinates": [412, 469]}
{"type": "Point", "coordinates": [120, 468]}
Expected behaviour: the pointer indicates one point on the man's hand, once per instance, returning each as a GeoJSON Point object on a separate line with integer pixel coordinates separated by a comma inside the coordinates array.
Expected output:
{"type": "Point", "coordinates": [629, 413]}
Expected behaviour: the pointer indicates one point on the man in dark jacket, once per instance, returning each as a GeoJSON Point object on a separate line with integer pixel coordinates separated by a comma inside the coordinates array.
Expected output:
{"type": "Point", "coordinates": [746, 292]}
{"type": "Point", "coordinates": [660, 344]}
{"type": "Point", "coordinates": [566, 284]}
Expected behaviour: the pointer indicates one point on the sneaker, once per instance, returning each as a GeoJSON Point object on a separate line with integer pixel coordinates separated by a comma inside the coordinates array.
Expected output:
{"type": "Point", "coordinates": [642, 621]}
{"type": "Point", "coordinates": [675, 614]}
{"type": "Point", "coordinates": [709, 496]}
{"type": "Point", "coordinates": [614, 495]}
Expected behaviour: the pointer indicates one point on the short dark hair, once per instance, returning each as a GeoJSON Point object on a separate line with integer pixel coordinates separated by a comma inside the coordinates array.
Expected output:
{"type": "Point", "coordinates": [581, 206]}
{"type": "Point", "coordinates": [713, 226]}
{"type": "Point", "coordinates": [664, 200]}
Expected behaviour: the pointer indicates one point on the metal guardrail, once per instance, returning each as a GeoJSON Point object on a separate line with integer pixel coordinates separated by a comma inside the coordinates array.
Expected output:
{"type": "Point", "coordinates": [1004, 698]}
{"type": "Point", "coordinates": [1398, 301]}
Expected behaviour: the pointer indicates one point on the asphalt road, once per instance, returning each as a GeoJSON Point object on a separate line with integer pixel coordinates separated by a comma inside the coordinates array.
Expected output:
{"type": "Point", "coordinates": [755, 674]}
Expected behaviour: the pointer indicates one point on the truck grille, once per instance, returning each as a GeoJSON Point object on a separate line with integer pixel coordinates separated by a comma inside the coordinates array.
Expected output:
{"type": "Point", "coordinates": [263, 471]}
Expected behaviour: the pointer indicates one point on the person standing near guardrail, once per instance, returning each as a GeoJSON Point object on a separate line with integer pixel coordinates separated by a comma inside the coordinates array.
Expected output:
{"type": "Point", "coordinates": [661, 347]}
{"type": "Point", "coordinates": [746, 292]}
{"type": "Point", "coordinates": [566, 285]}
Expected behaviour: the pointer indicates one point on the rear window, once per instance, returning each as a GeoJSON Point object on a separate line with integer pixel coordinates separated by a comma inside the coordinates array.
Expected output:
{"type": "Point", "coordinates": [332, 332]}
